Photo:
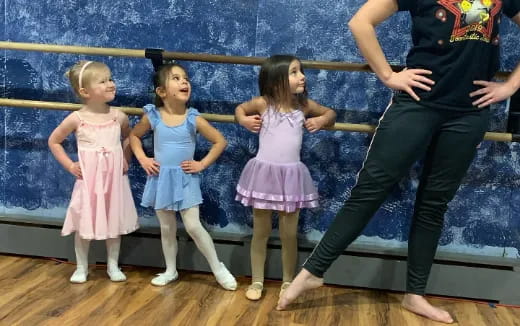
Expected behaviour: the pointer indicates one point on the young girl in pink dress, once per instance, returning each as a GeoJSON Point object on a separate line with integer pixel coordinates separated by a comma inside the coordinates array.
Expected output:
{"type": "Point", "coordinates": [101, 207]}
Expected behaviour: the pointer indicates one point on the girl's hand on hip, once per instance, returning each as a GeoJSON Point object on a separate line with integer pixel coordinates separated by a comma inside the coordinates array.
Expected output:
{"type": "Point", "coordinates": [491, 92]}
{"type": "Point", "coordinates": [149, 165]}
{"type": "Point", "coordinates": [406, 79]}
{"type": "Point", "coordinates": [192, 166]}
{"type": "Point", "coordinates": [75, 170]}
{"type": "Point", "coordinates": [125, 166]}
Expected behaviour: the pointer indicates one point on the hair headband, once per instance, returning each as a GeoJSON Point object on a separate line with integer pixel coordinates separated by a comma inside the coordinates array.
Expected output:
{"type": "Point", "coordinates": [81, 72]}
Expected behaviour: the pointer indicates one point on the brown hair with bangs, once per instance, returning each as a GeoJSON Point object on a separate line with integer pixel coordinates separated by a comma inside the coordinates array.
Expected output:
{"type": "Point", "coordinates": [160, 77]}
{"type": "Point", "coordinates": [273, 82]}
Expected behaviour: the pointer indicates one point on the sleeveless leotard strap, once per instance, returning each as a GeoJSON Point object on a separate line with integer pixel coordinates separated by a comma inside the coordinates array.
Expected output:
{"type": "Point", "coordinates": [77, 115]}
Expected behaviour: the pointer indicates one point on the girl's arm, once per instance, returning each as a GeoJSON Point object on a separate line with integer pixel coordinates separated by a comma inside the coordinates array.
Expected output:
{"type": "Point", "coordinates": [321, 116]}
{"type": "Point", "coordinates": [125, 132]}
{"type": "Point", "coordinates": [66, 127]}
{"type": "Point", "coordinates": [219, 144]}
{"type": "Point", "coordinates": [492, 92]}
{"type": "Point", "coordinates": [248, 114]}
{"type": "Point", "coordinates": [150, 166]}
{"type": "Point", "coordinates": [363, 26]}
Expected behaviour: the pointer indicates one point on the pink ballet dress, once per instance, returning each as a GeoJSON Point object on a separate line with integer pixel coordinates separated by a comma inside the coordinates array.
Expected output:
{"type": "Point", "coordinates": [276, 179]}
{"type": "Point", "coordinates": [101, 206]}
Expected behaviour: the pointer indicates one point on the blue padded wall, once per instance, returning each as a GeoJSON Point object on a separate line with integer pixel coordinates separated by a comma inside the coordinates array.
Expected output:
{"type": "Point", "coordinates": [483, 218]}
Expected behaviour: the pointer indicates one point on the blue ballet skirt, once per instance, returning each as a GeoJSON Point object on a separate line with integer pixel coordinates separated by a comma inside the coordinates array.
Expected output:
{"type": "Point", "coordinates": [172, 188]}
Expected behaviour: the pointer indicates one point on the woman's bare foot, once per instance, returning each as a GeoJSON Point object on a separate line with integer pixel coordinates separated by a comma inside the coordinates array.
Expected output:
{"type": "Point", "coordinates": [304, 281]}
{"type": "Point", "coordinates": [419, 305]}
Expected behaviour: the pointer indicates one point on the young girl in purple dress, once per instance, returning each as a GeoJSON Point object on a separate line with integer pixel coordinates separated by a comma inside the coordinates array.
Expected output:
{"type": "Point", "coordinates": [276, 179]}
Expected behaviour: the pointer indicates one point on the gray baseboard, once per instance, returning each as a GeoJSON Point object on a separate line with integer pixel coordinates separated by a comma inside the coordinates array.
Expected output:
{"type": "Point", "coordinates": [488, 279]}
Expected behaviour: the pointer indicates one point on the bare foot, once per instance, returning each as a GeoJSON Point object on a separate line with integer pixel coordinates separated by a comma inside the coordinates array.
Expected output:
{"type": "Point", "coordinates": [304, 281]}
{"type": "Point", "coordinates": [419, 305]}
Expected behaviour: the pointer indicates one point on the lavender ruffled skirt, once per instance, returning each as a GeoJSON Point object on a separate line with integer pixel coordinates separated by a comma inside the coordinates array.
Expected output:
{"type": "Point", "coordinates": [276, 186]}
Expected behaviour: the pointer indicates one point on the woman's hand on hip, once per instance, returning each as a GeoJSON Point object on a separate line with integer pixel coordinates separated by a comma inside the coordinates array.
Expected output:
{"type": "Point", "coordinates": [491, 92]}
{"type": "Point", "coordinates": [407, 79]}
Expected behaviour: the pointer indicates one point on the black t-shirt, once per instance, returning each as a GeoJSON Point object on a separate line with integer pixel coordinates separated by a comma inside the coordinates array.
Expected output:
{"type": "Point", "coordinates": [459, 42]}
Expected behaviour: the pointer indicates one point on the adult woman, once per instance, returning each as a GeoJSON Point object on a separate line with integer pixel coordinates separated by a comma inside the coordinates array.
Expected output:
{"type": "Point", "coordinates": [441, 106]}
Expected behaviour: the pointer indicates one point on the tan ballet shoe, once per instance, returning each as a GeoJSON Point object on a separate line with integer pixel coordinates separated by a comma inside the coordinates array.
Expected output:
{"type": "Point", "coordinates": [254, 291]}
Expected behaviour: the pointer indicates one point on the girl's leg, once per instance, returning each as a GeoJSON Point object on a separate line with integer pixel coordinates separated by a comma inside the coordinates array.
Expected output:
{"type": "Point", "coordinates": [288, 226]}
{"type": "Point", "coordinates": [81, 247]}
{"type": "Point", "coordinates": [201, 237]}
{"type": "Point", "coordinates": [261, 231]}
{"type": "Point", "coordinates": [169, 246]}
{"type": "Point", "coordinates": [113, 271]}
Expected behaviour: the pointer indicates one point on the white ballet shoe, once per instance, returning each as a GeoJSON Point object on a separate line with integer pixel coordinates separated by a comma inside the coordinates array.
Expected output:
{"type": "Point", "coordinates": [116, 275]}
{"type": "Point", "coordinates": [162, 279]}
{"type": "Point", "coordinates": [79, 276]}
{"type": "Point", "coordinates": [225, 278]}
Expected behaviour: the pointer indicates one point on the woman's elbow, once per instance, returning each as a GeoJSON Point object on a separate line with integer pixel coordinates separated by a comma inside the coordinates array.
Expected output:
{"type": "Point", "coordinates": [354, 24]}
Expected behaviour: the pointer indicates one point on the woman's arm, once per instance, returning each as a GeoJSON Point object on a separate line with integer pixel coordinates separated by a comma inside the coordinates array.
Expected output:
{"type": "Point", "coordinates": [492, 92]}
{"type": "Point", "coordinates": [362, 25]}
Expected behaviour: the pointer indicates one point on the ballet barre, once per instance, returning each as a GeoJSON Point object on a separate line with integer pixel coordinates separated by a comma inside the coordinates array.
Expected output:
{"type": "Point", "coordinates": [189, 56]}
{"type": "Point", "coordinates": [351, 127]}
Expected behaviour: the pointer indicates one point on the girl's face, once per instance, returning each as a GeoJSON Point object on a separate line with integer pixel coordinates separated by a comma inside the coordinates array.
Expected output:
{"type": "Point", "coordinates": [177, 86]}
{"type": "Point", "coordinates": [296, 78]}
{"type": "Point", "coordinates": [101, 88]}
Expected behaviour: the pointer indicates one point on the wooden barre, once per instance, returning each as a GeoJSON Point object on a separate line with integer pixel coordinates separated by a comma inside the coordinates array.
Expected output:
{"type": "Point", "coordinates": [493, 136]}
{"type": "Point", "coordinates": [188, 56]}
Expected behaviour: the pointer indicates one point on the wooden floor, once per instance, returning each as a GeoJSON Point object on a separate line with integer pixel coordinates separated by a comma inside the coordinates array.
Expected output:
{"type": "Point", "coordinates": [37, 292]}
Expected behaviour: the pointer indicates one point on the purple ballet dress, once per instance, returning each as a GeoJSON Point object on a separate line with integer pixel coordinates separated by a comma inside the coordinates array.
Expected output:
{"type": "Point", "coordinates": [276, 179]}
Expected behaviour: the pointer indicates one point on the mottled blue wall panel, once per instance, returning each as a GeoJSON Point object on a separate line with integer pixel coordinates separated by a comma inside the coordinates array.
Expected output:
{"type": "Point", "coordinates": [2, 117]}
{"type": "Point", "coordinates": [483, 218]}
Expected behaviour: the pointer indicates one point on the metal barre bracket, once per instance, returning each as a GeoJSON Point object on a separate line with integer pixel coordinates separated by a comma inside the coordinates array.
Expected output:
{"type": "Point", "coordinates": [156, 55]}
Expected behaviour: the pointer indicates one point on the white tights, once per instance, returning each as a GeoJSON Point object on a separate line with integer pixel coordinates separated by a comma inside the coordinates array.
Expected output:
{"type": "Point", "coordinates": [191, 220]}
{"type": "Point", "coordinates": [81, 247]}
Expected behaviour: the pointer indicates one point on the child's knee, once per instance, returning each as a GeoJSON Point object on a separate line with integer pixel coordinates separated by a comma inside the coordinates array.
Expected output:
{"type": "Point", "coordinates": [288, 235]}
{"type": "Point", "coordinates": [168, 230]}
{"type": "Point", "coordinates": [261, 234]}
{"type": "Point", "coordinates": [195, 231]}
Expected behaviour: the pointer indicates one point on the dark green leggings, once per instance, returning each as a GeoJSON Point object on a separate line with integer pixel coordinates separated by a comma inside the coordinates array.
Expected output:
{"type": "Point", "coordinates": [407, 132]}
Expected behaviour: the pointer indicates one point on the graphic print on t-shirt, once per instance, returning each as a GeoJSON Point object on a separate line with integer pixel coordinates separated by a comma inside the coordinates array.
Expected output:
{"type": "Point", "coordinates": [474, 19]}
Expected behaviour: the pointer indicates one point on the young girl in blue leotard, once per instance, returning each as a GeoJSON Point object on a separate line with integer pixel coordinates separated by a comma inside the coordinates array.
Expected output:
{"type": "Point", "coordinates": [173, 182]}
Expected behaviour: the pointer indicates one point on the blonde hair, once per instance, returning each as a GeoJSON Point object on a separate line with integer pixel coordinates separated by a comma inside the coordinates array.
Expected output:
{"type": "Point", "coordinates": [85, 70]}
